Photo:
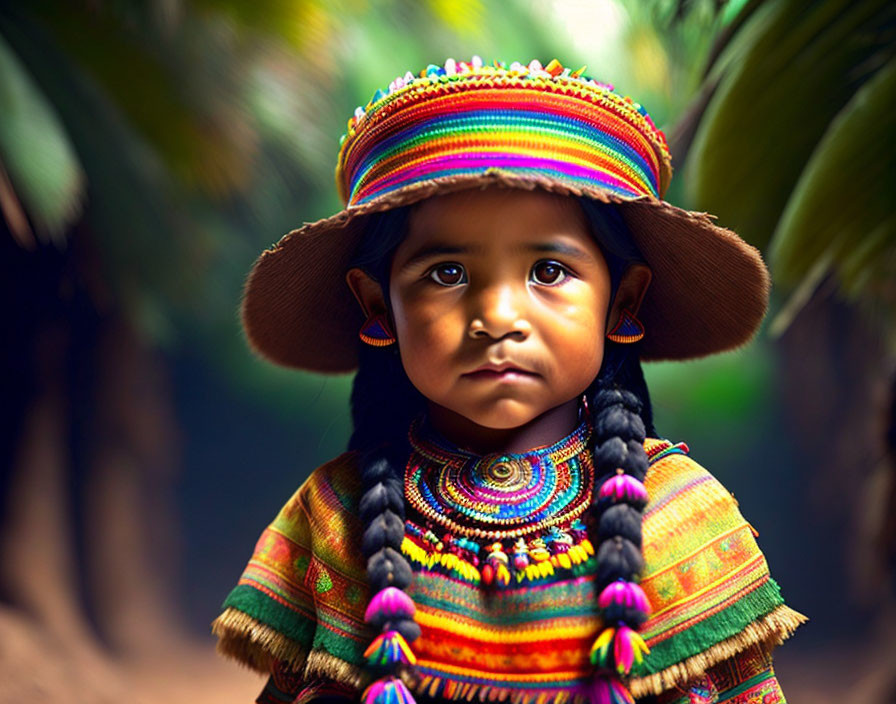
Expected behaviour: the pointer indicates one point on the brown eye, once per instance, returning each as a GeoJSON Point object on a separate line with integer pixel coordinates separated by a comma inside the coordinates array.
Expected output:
{"type": "Point", "coordinates": [448, 275]}
{"type": "Point", "coordinates": [548, 273]}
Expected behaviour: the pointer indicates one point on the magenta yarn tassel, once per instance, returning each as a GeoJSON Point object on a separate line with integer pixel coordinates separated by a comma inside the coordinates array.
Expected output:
{"type": "Point", "coordinates": [629, 650]}
{"type": "Point", "coordinates": [388, 690]}
{"type": "Point", "coordinates": [619, 648]}
{"type": "Point", "coordinates": [609, 690]}
{"type": "Point", "coordinates": [392, 603]}
{"type": "Point", "coordinates": [622, 593]}
{"type": "Point", "coordinates": [623, 487]}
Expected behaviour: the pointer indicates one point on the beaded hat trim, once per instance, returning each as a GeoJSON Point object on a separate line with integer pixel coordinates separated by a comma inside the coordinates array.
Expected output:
{"type": "Point", "coordinates": [465, 118]}
{"type": "Point", "coordinates": [470, 125]}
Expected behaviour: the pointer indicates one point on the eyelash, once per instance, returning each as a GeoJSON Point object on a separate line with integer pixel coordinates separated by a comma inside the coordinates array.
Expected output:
{"type": "Point", "coordinates": [564, 273]}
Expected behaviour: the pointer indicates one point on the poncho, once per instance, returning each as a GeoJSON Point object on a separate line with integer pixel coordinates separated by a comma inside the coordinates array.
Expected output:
{"type": "Point", "coordinates": [298, 608]}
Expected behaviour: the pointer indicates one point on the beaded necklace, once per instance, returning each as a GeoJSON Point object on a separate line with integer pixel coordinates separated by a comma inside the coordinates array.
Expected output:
{"type": "Point", "coordinates": [498, 519]}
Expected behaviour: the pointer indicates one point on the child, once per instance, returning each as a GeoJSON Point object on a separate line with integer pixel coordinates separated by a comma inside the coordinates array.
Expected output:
{"type": "Point", "coordinates": [505, 525]}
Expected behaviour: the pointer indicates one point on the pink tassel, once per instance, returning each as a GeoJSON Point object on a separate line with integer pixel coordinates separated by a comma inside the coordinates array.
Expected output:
{"type": "Point", "coordinates": [388, 690]}
{"type": "Point", "coordinates": [392, 603]}
{"type": "Point", "coordinates": [623, 487]}
{"type": "Point", "coordinates": [627, 647]}
{"type": "Point", "coordinates": [609, 690]}
{"type": "Point", "coordinates": [622, 593]}
{"type": "Point", "coordinates": [629, 650]}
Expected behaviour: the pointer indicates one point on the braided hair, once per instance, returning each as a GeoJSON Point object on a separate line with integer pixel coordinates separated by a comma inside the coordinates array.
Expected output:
{"type": "Point", "coordinates": [621, 416]}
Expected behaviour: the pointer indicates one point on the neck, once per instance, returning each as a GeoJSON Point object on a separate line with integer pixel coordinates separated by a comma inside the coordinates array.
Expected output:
{"type": "Point", "coordinates": [546, 429]}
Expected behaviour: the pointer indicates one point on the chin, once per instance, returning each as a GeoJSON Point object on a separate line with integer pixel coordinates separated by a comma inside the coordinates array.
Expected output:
{"type": "Point", "coordinates": [505, 414]}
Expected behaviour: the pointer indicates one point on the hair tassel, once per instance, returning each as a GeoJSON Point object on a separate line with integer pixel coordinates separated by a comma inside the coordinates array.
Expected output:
{"type": "Point", "coordinates": [624, 487]}
{"type": "Point", "coordinates": [389, 649]}
{"type": "Point", "coordinates": [388, 605]}
{"type": "Point", "coordinates": [629, 650]}
{"type": "Point", "coordinates": [388, 690]}
{"type": "Point", "coordinates": [628, 595]}
{"type": "Point", "coordinates": [609, 690]}
{"type": "Point", "coordinates": [600, 651]}
{"type": "Point", "coordinates": [621, 649]}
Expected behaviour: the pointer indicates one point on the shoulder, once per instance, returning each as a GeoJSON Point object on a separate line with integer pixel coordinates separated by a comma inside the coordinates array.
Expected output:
{"type": "Point", "coordinates": [334, 487]}
{"type": "Point", "coordinates": [306, 568]}
{"type": "Point", "coordinates": [684, 495]}
{"type": "Point", "coordinates": [323, 514]}
{"type": "Point", "coordinates": [693, 531]}
{"type": "Point", "coordinates": [707, 581]}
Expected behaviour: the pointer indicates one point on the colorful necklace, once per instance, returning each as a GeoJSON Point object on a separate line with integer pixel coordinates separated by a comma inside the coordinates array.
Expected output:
{"type": "Point", "coordinates": [498, 519]}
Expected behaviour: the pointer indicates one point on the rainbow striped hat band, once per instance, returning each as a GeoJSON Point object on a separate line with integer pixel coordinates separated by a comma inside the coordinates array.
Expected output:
{"type": "Point", "coordinates": [469, 125]}
{"type": "Point", "coordinates": [464, 119]}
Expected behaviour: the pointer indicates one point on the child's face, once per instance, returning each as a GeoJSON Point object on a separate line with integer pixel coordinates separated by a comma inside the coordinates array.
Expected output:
{"type": "Point", "coordinates": [499, 300]}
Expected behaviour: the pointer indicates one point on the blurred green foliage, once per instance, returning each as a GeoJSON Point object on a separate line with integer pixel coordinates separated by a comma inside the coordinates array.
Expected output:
{"type": "Point", "coordinates": [795, 149]}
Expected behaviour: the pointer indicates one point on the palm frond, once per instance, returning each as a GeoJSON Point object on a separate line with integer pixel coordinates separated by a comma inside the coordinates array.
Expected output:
{"type": "Point", "coordinates": [794, 68]}
{"type": "Point", "coordinates": [42, 176]}
{"type": "Point", "coordinates": [841, 210]}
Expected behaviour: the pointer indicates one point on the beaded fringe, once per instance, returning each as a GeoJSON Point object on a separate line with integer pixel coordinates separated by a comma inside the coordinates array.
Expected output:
{"type": "Point", "coordinates": [253, 644]}
{"type": "Point", "coordinates": [771, 630]}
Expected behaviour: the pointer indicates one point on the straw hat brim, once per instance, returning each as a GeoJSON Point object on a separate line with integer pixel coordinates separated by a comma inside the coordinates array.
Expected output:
{"type": "Point", "coordinates": [709, 290]}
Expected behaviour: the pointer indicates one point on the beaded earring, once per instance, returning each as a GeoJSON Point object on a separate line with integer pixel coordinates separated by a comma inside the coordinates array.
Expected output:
{"type": "Point", "coordinates": [628, 329]}
{"type": "Point", "coordinates": [376, 332]}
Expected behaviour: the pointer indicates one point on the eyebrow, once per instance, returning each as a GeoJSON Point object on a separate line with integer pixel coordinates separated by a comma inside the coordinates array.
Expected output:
{"type": "Point", "coordinates": [436, 249]}
{"type": "Point", "coordinates": [560, 248]}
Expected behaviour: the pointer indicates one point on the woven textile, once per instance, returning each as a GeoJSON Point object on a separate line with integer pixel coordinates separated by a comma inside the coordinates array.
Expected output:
{"type": "Point", "coordinates": [464, 119]}
{"type": "Point", "coordinates": [301, 598]}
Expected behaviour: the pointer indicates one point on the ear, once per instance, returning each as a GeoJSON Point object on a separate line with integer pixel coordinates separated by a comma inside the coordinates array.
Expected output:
{"type": "Point", "coordinates": [630, 293]}
{"type": "Point", "coordinates": [367, 290]}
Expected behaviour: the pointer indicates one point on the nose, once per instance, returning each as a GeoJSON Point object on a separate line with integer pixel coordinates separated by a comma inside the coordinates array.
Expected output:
{"type": "Point", "coordinates": [499, 311]}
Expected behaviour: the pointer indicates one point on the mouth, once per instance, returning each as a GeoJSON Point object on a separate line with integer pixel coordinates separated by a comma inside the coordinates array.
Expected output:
{"type": "Point", "coordinates": [506, 371]}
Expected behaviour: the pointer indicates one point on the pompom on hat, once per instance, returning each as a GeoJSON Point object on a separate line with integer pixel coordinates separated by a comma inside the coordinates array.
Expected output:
{"type": "Point", "coordinates": [470, 125]}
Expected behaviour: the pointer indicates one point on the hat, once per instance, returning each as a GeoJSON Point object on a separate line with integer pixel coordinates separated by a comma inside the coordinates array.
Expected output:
{"type": "Point", "coordinates": [469, 125]}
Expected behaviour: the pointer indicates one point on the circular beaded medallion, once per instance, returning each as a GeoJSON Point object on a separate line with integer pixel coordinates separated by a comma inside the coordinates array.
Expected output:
{"type": "Point", "coordinates": [500, 518]}
{"type": "Point", "coordinates": [499, 495]}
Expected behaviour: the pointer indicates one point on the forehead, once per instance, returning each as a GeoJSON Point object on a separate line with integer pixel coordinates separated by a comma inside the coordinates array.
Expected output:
{"type": "Point", "coordinates": [496, 218]}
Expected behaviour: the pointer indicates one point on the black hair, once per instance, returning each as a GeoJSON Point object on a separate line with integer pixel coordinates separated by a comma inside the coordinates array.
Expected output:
{"type": "Point", "coordinates": [384, 403]}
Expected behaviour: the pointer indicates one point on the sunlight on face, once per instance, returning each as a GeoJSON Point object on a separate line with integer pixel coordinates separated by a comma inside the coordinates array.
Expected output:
{"type": "Point", "coordinates": [500, 299]}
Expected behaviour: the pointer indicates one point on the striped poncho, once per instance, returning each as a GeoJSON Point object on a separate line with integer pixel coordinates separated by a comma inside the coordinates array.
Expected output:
{"type": "Point", "coordinates": [299, 606]}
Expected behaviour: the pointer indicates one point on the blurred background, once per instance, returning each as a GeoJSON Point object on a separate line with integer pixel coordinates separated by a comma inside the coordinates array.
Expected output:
{"type": "Point", "coordinates": [150, 150]}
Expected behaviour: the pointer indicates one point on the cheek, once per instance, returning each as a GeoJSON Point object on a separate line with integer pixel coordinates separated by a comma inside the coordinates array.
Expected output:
{"type": "Point", "coordinates": [426, 336]}
{"type": "Point", "coordinates": [575, 332]}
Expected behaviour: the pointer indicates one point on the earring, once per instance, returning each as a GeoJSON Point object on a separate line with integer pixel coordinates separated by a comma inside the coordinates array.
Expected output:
{"type": "Point", "coordinates": [628, 329]}
{"type": "Point", "coordinates": [375, 331]}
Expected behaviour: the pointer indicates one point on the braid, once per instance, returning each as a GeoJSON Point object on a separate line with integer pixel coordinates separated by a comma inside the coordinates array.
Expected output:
{"type": "Point", "coordinates": [620, 497]}
{"type": "Point", "coordinates": [622, 418]}
{"type": "Point", "coordinates": [381, 439]}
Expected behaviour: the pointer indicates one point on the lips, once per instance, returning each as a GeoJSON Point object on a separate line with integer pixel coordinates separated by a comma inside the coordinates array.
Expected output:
{"type": "Point", "coordinates": [504, 371]}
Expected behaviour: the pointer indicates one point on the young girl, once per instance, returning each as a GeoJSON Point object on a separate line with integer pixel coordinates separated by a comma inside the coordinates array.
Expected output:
{"type": "Point", "coordinates": [506, 524]}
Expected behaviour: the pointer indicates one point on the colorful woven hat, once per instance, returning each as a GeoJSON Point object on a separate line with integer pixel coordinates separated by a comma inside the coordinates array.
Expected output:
{"type": "Point", "coordinates": [468, 125]}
